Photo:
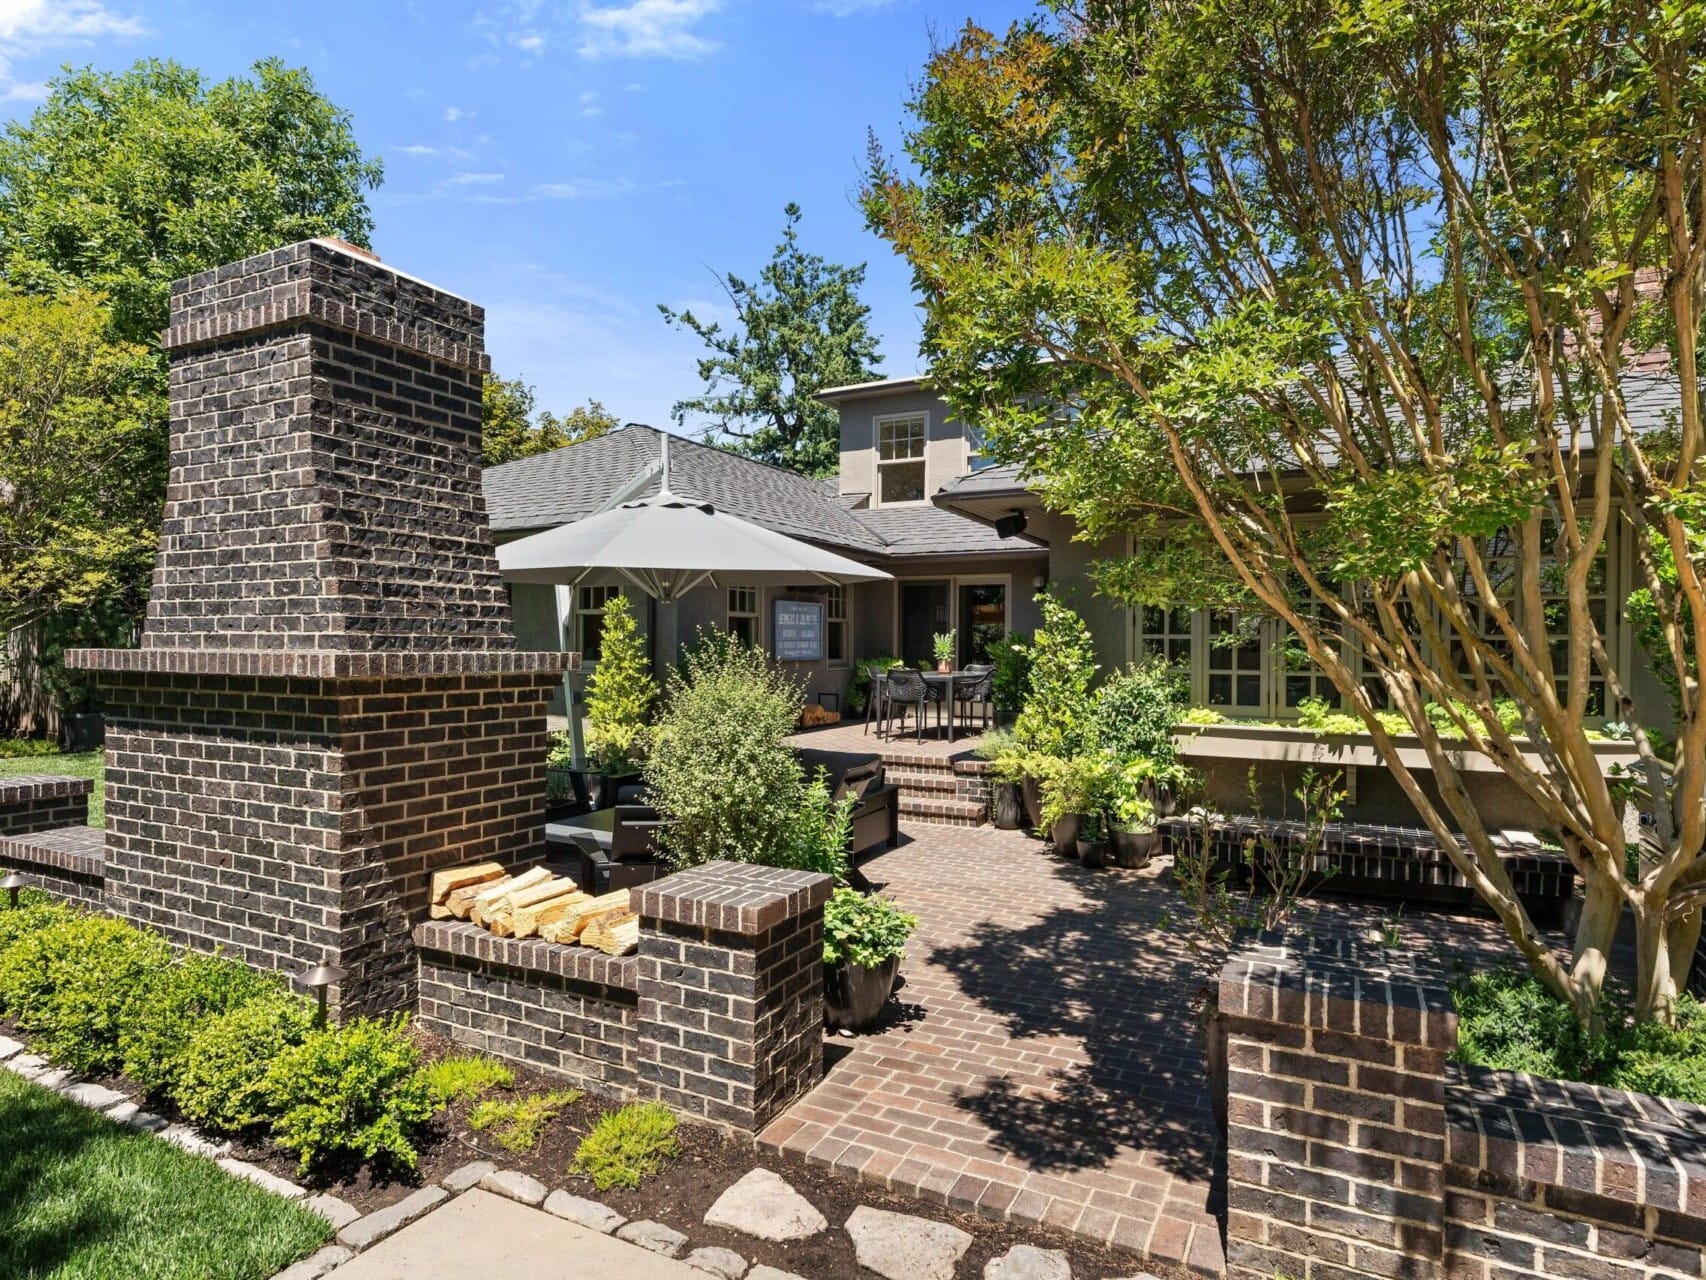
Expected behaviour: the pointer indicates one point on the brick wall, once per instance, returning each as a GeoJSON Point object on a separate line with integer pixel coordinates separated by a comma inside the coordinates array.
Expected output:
{"type": "Point", "coordinates": [67, 862]}
{"type": "Point", "coordinates": [731, 990]}
{"type": "Point", "coordinates": [1354, 1149]}
{"type": "Point", "coordinates": [561, 1009]}
{"type": "Point", "coordinates": [41, 802]}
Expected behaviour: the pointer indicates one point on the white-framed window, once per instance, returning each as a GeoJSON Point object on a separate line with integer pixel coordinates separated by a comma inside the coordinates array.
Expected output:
{"type": "Point", "coordinates": [977, 454]}
{"type": "Point", "coordinates": [743, 613]}
{"type": "Point", "coordinates": [1166, 633]}
{"type": "Point", "coordinates": [900, 458]}
{"type": "Point", "coordinates": [836, 648]}
{"type": "Point", "coordinates": [589, 619]}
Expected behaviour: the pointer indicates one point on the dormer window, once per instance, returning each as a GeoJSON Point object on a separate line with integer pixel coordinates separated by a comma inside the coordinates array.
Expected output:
{"type": "Point", "coordinates": [977, 452]}
{"type": "Point", "coordinates": [900, 459]}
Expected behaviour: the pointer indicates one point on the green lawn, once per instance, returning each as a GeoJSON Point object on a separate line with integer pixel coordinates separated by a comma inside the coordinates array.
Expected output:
{"type": "Point", "coordinates": [82, 1198]}
{"type": "Point", "coordinates": [90, 764]}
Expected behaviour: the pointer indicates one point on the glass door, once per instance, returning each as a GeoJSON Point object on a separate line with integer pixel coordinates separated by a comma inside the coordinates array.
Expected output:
{"type": "Point", "coordinates": [983, 621]}
{"type": "Point", "coordinates": [923, 612]}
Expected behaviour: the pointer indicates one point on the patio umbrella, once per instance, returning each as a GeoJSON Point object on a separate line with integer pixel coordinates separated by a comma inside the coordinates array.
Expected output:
{"type": "Point", "coordinates": [666, 545]}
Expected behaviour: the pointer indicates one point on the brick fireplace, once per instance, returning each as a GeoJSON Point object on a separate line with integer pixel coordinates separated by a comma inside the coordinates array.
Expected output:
{"type": "Point", "coordinates": [327, 703]}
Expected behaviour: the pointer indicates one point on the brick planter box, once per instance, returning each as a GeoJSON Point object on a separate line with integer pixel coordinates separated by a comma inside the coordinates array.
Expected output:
{"type": "Point", "coordinates": [1354, 1149]}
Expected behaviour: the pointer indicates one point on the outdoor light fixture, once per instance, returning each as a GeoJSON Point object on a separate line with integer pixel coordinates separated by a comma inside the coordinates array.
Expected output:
{"type": "Point", "coordinates": [1010, 526]}
{"type": "Point", "coordinates": [12, 884]}
{"type": "Point", "coordinates": [320, 979]}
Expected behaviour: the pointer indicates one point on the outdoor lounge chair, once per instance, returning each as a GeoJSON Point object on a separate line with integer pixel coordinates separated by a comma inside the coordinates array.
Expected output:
{"type": "Point", "coordinates": [633, 858]}
{"type": "Point", "coordinates": [905, 690]}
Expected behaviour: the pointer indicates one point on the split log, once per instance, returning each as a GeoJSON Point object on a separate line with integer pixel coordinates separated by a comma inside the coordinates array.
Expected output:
{"type": "Point", "coordinates": [568, 927]}
{"type": "Point", "coordinates": [448, 881]}
{"type": "Point", "coordinates": [506, 908]}
{"type": "Point", "coordinates": [614, 933]}
{"type": "Point", "coordinates": [529, 920]}
{"type": "Point", "coordinates": [438, 911]}
{"type": "Point", "coordinates": [461, 902]}
{"type": "Point", "coordinates": [490, 900]}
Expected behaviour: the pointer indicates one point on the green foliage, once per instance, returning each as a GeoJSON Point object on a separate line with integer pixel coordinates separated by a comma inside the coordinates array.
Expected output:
{"type": "Point", "coordinates": [800, 330]}
{"type": "Point", "coordinates": [512, 425]}
{"type": "Point", "coordinates": [1136, 709]}
{"type": "Point", "coordinates": [720, 772]}
{"type": "Point", "coordinates": [354, 1089]}
{"type": "Point", "coordinates": [69, 984]}
{"type": "Point", "coordinates": [864, 929]}
{"type": "Point", "coordinates": [1507, 1021]}
{"type": "Point", "coordinates": [518, 1123]}
{"type": "Point", "coordinates": [122, 183]}
{"type": "Point", "coordinates": [627, 1145]}
{"type": "Point", "coordinates": [174, 1004]}
{"type": "Point", "coordinates": [105, 1201]}
{"type": "Point", "coordinates": [222, 1082]}
{"type": "Point", "coordinates": [1011, 683]}
{"type": "Point", "coordinates": [35, 911]}
{"type": "Point", "coordinates": [1082, 784]}
{"type": "Point", "coordinates": [83, 456]}
{"type": "Point", "coordinates": [1056, 719]}
{"type": "Point", "coordinates": [462, 1077]}
{"type": "Point", "coordinates": [859, 685]}
{"type": "Point", "coordinates": [942, 646]}
{"type": "Point", "coordinates": [1201, 716]}
{"type": "Point", "coordinates": [620, 691]}
{"type": "Point", "coordinates": [22, 748]}
{"type": "Point", "coordinates": [1129, 803]}
{"type": "Point", "coordinates": [823, 828]}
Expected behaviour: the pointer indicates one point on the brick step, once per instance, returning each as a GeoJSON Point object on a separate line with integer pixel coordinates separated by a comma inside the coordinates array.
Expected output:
{"type": "Point", "coordinates": [943, 812]}
{"type": "Point", "coordinates": [943, 782]}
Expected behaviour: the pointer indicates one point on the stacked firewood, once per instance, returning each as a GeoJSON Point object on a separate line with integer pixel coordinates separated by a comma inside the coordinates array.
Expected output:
{"type": "Point", "coordinates": [812, 715]}
{"type": "Point", "coordinates": [535, 904]}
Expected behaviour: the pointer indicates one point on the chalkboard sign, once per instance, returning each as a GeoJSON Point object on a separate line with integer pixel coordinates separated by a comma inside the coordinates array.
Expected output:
{"type": "Point", "coordinates": [797, 635]}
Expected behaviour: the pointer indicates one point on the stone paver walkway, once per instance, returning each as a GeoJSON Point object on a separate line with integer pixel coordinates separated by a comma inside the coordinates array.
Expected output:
{"type": "Point", "coordinates": [481, 1234]}
{"type": "Point", "coordinates": [1044, 1064]}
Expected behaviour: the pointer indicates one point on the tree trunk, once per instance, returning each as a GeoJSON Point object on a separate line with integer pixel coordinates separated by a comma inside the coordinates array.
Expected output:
{"type": "Point", "coordinates": [1655, 980]}
{"type": "Point", "coordinates": [1596, 933]}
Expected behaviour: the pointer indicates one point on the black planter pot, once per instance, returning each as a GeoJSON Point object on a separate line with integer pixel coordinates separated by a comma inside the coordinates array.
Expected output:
{"type": "Point", "coordinates": [1134, 849]}
{"type": "Point", "coordinates": [1008, 811]}
{"type": "Point", "coordinates": [1093, 853]}
{"type": "Point", "coordinates": [1064, 833]}
{"type": "Point", "coordinates": [83, 730]}
{"type": "Point", "coordinates": [1031, 790]}
{"type": "Point", "coordinates": [854, 995]}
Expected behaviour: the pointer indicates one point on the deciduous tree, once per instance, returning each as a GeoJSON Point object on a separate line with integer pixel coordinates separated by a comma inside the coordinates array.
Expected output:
{"type": "Point", "coordinates": [513, 426]}
{"type": "Point", "coordinates": [1337, 310]}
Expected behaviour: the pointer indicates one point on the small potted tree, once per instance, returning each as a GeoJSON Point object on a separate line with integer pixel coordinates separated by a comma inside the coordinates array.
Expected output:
{"type": "Point", "coordinates": [864, 941]}
{"type": "Point", "coordinates": [943, 646]}
{"type": "Point", "coordinates": [1007, 765]}
{"type": "Point", "coordinates": [1073, 790]}
{"type": "Point", "coordinates": [1093, 839]}
{"type": "Point", "coordinates": [1133, 835]}
{"type": "Point", "coordinates": [1011, 680]}
{"type": "Point", "coordinates": [619, 697]}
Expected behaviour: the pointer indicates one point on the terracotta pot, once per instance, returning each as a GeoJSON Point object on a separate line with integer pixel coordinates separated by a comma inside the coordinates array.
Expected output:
{"type": "Point", "coordinates": [1031, 791]}
{"type": "Point", "coordinates": [854, 996]}
{"type": "Point", "coordinates": [1134, 849]}
{"type": "Point", "coordinates": [1093, 853]}
{"type": "Point", "coordinates": [942, 668]}
{"type": "Point", "coordinates": [1007, 811]}
{"type": "Point", "coordinates": [1064, 833]}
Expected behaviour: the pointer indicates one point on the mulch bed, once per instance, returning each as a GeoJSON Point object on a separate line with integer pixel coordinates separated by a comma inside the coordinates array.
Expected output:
{"type": "Point", "coordinates": [712, 1159]}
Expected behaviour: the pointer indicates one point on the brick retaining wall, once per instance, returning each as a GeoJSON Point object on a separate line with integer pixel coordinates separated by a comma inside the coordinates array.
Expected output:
{"type": "Point", "coordinates": [68, 862]}
{"type": "Point", "coordinates": [41, 802]}
{"type": "Point", "coordinates": [1355, 1150]}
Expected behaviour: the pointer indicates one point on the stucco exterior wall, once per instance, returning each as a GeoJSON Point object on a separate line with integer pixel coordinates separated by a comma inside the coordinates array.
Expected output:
{"type": "Point", "coordinates": [945, 450]}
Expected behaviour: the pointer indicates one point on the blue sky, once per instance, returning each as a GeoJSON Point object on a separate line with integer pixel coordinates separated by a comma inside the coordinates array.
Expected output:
{"type": "Point", "coordinates": [571, 165]}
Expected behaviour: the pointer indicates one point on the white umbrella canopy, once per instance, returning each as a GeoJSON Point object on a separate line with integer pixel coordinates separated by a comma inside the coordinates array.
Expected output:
{"type": "Point", "coordinates": [666, 545]}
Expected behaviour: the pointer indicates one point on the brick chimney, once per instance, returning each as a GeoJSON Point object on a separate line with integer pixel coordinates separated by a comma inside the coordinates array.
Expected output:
{"type": "Point", "coordinates": [327, 704]}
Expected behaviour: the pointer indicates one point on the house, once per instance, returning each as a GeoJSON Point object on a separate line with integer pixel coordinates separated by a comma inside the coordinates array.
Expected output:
{"type": "Point", "coordinates": [951, 572]}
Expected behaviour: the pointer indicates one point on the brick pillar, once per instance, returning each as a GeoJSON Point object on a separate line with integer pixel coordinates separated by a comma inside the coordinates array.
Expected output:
{"type": "Point", "coordinates": [1336, 1113]}
{"type": "Point", "coordinates": [327, 704]}
{"type": "Point", "coordinates": [731, 990]}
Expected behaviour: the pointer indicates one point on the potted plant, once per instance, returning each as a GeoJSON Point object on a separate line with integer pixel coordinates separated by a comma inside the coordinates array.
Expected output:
{"type": "Point", "coordinates": [1011, 680]}
{"type": "Point", "coordinates": [1133, 835]}
{"type": "Point", "coordinates": [1093, 840]}
{"type": "Point", "coordinates": [943, 647]}
{"type": "Point", "coordinates": [1074, 789]}
{"type": "Point", "coordinates": [864, 940]}
{"type": "Point", "coordinates": [1006, 775]}
{"type": "Point", "coordinates": [619, 697]}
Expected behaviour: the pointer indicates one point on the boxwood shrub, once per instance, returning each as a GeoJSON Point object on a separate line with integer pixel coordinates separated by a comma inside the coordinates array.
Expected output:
{"type": "Point", "coordinates": [177, 1002]}
{"type": "Point", "coordinates": [222, 1081]}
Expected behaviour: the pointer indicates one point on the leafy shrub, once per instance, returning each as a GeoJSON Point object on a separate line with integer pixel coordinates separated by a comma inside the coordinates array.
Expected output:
{"type": "Point", "coordinates": [68, 984]}
{"type": "Point", "coordinates": [1010, 684]}
{"type": "Point", "coordinates": [518, 1123]}
{"type": "Point", "coordinates": [628, 1144]}
{"type": "Point", "coordinates": [1080, 784]}
{"type": "Point", "coordinates": [35, 911]}
{"type": "Point", "coordinates": [620, 691]}
{"type": "Point", "coordinates": [1056, 719]}
{"type": "Point", "coordinates": [864, 930]}
{"type": "Point", "coordinates": [222, 1080]}
{"type": "Point", "coordinates": [859, 685]}
{"type": "Point", "coordinates": [351, 1089]}
{"type": "Point", "coordinates": [1136, 709]}
{"type": "Point", "coordinates": [823, 826]}
{"type": "Point", "coordinates": [1201, 715]}
{"type": "Point", "coordinates": [464, 1076]}
{"type": "Point", "coordinates": [18, 748]}
{"type": "Point", "coordinates": [721, 773]}
{"type": "Point", "coordinates": [174, 1004]}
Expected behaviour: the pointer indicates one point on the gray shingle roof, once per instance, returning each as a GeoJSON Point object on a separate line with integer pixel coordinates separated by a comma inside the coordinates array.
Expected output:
{"type": "Point", "coordinates": [931, 531]}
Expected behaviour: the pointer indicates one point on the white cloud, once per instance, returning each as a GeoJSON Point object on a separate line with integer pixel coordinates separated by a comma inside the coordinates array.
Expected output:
{"type": "Point", "coordinates": [647, 29]}
{"type": "Point", "coordinates": [529, 42]}
{"type": "Point", "coordinates": [453, 114]}
{"type": "Point", "coordinates": [31, 27]}
{"type": "Point", "coordinates": [850, 8]}
{"type": "Point", "coordinates": [589, 189]}
{"type": "Point", "coordinates": [416, 150]}
{"type": "Point", "coordinates": [589, 104]}
{"type": "Point", "coordinates": [476, 179]}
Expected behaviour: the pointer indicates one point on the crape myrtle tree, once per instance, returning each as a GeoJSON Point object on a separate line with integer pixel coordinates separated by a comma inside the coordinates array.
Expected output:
{"type": "Point", "coordinates": [1334, 309]}
{"type": "Point", "coordinates": [799, 329]}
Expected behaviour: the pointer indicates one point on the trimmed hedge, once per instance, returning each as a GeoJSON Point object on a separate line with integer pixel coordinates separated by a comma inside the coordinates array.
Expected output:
{"type": "Point", "coordinates": [230, 1046]}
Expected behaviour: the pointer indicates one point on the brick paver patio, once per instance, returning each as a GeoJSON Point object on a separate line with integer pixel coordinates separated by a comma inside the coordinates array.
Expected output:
{"type": "Point", "coordinates": [1044, 1062]}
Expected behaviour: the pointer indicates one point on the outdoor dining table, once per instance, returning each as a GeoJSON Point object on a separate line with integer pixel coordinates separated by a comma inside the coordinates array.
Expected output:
{"type": "Point", "coordinates": [943, 679]}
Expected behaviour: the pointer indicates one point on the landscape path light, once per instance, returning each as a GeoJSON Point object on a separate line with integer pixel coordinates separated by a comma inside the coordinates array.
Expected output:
{"type": "Point", "coordinates": [320, 979]}
{"type": "Point", "coordinates": [13, 884]}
